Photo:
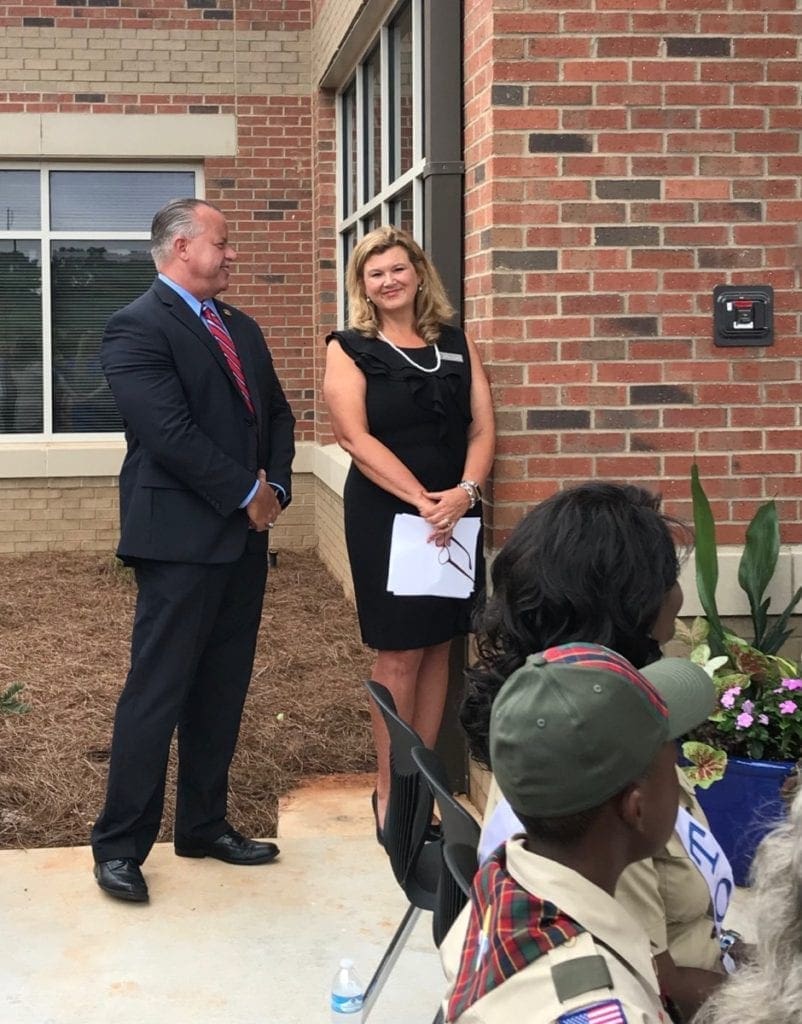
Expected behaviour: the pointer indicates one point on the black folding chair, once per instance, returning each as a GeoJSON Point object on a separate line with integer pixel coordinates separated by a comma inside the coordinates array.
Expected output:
{"type": "Point", "coordinates": [460, 838]}
{"type": "Point", "coordinates": [414, 852]}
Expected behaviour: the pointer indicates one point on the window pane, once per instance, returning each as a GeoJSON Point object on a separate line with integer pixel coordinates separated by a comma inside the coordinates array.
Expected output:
{"type": "Point", "coordinates": [401, 208]}
{"type": "Point", "coordinates": [372, 132]}
{"type": "Point", "coordinates": [21, 403]}
{"type": "Point", "coordinates": [19, 201]}
{"type": "Point", "coordinates": [90, 280]}
{"type": "Point", "coordinates": [349, 149]}
{"type": "Point", "coordinates": [401, 101]}
{"type": "Point", "coordinates": [113, 200]}
{"type": "Point", "coordinates": [371, 222]}
{"type": "Point", "coordinates": [348, 242]}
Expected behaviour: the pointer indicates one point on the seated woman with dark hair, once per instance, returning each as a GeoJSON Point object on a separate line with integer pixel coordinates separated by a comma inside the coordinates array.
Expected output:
{"type": "Point", "coordinates": [598, 563]}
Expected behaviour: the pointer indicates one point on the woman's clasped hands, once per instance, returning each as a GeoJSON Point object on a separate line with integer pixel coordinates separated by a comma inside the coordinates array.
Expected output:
{"type": "Point", "coordinates": [442, 510]}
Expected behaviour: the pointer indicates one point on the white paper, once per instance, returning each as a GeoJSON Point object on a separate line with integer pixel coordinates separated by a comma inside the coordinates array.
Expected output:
{"type": "Point", "coordinates": [418, 568]}
{"type": "Point", "coordinates": [502, 824]}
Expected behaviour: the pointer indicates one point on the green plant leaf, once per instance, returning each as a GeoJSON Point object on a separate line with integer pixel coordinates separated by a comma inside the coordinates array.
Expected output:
{"type": "Point", "coordinates": [700, 655]}
{"type": "Point", "coordinates": [10, 704]}
{"type": "Point", "coordinates": [707, 764]}
{"type": "Point", "coordinates": [778, 633]}
{"type": "Point", "coordinates": [755, 747]}
{"type": "Point", "coordinates": [787, 669]}
{"type": "Point", "coordinates": [706, 559]}
{"type": "Point", "coordinates": [700, 630]}
{"type": "Point", "coordinates": [682, 633]}
{"type": "Point", "coordinates": [716, 664]}
{"type": "Point", "coordinates": [727, 680]}
{"type": "Point", "coordinates": [758, 562]}
{"type": "Point", "coordinates": [748, 659]}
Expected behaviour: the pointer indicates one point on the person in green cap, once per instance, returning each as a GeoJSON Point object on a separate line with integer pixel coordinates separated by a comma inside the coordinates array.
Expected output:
{"type": "Point", "coordinates": [583, 748]}
{"type": "Point", "coordinates": [599, 562]}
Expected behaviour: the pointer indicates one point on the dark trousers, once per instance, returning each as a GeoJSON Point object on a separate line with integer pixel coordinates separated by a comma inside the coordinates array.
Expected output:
{"type": "Point", "coordinates": [192, 651]}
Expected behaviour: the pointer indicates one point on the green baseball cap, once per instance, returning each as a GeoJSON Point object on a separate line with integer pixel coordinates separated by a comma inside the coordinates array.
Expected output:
{"type": "Point", "coordinates": [575, 724]}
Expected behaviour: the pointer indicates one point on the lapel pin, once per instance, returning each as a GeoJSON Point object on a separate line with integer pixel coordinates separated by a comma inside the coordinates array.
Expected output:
{"type": "Point", "coordinates": [226, 312]}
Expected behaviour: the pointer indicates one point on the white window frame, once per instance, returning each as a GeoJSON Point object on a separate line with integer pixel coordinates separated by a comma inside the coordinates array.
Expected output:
{"type": "Point", "coordinates": [390, 187]}
{"type": "Point", "coordinates": [47, 438]}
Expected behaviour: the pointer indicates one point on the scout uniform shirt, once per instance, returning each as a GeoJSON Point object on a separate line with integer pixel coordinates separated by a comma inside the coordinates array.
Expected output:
{"type": "Point", "coordinates": [540, 943]}
{"type": "Point", "coordinates": [669, 896]}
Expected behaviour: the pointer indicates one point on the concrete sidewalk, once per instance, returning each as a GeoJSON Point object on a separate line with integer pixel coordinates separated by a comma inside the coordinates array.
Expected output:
{"type": "Point", "coordinates": [216, 944]}
{"type": "Point", "coordinates": [219, 944]}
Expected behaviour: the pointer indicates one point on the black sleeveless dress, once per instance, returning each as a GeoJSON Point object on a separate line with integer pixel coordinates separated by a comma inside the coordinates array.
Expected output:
{"type": "Point", "coordinates": [423, 418]}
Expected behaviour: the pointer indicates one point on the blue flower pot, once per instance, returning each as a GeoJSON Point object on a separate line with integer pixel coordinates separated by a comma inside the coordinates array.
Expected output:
{"type": "Point", "coordinates": [743, 807]}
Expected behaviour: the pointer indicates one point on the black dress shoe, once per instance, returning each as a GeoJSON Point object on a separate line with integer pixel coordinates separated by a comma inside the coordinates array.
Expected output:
{"type": "Point", "coordinates": [230, 847]}
{"type": "Point", "coordinates": [122, 879]}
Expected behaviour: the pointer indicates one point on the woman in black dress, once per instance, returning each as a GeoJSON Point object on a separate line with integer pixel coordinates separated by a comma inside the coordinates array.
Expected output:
{"type": "Point", "coordinates": [410, 403]}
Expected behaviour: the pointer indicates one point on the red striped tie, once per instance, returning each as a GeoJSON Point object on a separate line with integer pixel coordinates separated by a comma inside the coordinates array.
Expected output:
{"type": "Point", "coordinates": [220, 334]}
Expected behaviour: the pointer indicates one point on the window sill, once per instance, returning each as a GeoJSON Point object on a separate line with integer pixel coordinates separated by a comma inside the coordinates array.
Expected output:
{"type": "Point", "coordinates": [331, 465]}
{"type": "Point", "coordinates": [61, 459]}
{"type": "Point", "coordinates": [93, 458]}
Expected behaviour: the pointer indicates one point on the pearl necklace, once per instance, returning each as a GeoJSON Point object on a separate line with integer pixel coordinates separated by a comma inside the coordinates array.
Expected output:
{"type": "Point", "coordinates": [423, 369]}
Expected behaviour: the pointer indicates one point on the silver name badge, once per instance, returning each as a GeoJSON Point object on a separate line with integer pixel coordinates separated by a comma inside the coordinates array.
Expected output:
{"type": "Point", "coordinates": [454, 357]}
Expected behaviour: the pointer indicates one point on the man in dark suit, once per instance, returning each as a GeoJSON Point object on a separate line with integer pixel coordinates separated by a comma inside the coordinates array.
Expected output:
{"type": "Point", "coordinates": [206, 474]}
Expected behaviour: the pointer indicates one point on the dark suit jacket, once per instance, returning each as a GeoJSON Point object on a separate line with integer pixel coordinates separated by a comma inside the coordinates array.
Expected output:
{"type": "Point", "coordinates": [193, 447]}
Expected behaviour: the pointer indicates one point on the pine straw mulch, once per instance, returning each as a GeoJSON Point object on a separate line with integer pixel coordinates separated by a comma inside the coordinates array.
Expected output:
{"type": "Point", "coordinates": [65, 622]}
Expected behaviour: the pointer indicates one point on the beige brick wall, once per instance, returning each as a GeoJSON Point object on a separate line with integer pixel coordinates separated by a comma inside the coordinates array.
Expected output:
{"type": "Point", "coordinates": [333, 20]}
{"type": "Point", "coordinates": [81, 514]}
{"type": "Point", "coordinates": [180, 61]}
{"type": "Point", "coordinates": [58, 514]}
{"type": "Point", "coordinates": [478, 786]}
{"type": "Point", "coordinates": [296, 527]}
{"type": "Point", "coordinates": [330, 536]}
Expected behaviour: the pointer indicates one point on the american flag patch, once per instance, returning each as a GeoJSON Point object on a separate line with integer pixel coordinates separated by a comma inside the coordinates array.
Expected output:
{"type": "Point", "coordinates": [608, 1012]}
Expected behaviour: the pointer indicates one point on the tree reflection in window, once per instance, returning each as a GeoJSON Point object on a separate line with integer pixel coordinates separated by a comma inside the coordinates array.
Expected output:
{"type": "Point", "coordinates": [89, 281]}
{"type": "Point", "coordinates": [51, 381]}
{"type": "Point", "coordinates": [20, 337]}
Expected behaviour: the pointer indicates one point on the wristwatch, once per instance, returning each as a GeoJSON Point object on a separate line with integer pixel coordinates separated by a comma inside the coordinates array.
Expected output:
{"type": "Point", "coordinates": [727, 940]}
{"type": "Point", "coordinates": [729, 937]}
{"type": "Point", "coordinates": [472, 489]}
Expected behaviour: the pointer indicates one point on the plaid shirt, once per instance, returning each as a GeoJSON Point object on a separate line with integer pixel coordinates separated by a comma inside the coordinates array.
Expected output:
{"type": "Point", "coordinates": [509, 928]}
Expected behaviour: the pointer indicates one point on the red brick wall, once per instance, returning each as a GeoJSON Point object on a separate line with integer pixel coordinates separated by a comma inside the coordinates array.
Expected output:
{"type": "Point", "coordinates": [266, 192]}
{"type": "Point", "coordinates": [623, 158]}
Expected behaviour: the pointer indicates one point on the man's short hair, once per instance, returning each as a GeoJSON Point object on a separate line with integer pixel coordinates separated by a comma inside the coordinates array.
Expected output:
{"type": "Point", "coordinates": [177, 217]}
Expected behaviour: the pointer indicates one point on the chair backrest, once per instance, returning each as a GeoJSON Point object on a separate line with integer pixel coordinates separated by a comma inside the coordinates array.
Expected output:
{"type": "Point", "coordinates": [409, 808]}
{"type": "Point", "coordinates": [460, 834]}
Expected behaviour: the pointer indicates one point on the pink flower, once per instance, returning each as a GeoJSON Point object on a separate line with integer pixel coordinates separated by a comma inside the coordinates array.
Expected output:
{"type": "Point", "coordinates": [792, 684]}
{"type": "Point", "coordinates": [748, 706]}
{"type": "Point", "coordinates": [744, 720]}
{"type": "Point", "coordinates": [728, 697]}
{"type": "Point", "coordinates": [763, 719]}
{"type": "Point", "coordinates": [788, 707]}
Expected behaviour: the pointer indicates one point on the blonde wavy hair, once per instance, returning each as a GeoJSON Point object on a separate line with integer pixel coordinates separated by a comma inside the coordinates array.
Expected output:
{"type": "Point", "coordinates": [432, 307]}
{"type": "Point", "coordinates": [768, 989]}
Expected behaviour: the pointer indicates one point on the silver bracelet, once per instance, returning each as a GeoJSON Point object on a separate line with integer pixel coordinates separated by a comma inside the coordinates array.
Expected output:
{"type": "Point", "coordinates": [471, 488]}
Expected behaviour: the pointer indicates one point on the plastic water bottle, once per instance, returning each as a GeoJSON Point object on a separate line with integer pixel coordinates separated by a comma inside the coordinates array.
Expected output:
{"type": "Point", "coordinates": [346, 995]}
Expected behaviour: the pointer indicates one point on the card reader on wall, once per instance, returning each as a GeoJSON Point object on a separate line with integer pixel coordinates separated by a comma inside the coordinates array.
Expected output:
{"type": "Point", "coordinates": [743, 315]}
